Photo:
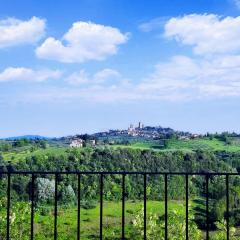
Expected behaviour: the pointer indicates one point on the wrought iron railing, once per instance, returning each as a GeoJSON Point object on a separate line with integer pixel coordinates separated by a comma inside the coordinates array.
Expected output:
{"type": "Point", "coordinates": [34, 174]}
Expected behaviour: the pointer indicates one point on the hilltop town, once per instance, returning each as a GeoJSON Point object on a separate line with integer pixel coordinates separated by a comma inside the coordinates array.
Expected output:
{"type": "Point", "coordinates": [148, 132]}
{"type": "Point", "coordinates": [133, 132]}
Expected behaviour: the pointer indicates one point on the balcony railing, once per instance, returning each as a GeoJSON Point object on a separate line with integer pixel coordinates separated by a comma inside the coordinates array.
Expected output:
{"type": "Point", "coordinates": [101, 175]}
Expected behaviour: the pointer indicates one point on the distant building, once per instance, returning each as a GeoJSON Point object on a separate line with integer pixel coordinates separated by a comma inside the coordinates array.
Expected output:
{"type": "Point", "coordinates": [92, 142]}
{"type": "Point", "coordinates": [195, 135]}
{"type": "Point", "coordinates": [131, 129]}
{"type": "Point", "coordinates": [140, 125]}
{"type": "Point", "coordinates": [78, 143]}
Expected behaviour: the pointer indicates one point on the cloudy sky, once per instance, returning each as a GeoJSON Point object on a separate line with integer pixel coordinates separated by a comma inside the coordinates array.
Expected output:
{"type": "Point", "coordinates": [76, 66]}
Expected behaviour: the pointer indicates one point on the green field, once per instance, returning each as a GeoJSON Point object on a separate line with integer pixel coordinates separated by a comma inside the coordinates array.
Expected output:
{"type": "Point", "coordinates": [21, 153]}
{"type": "Point", "coordinates": [112, 221]}
{"type": "Point", "coordinates": [140, 145]}
{"type": "Point", "coordinates": [187, 145]}
{"type": "Point", "coordinates": [203, 143]}
{"type": "Point", "coordinates": [112, 213]}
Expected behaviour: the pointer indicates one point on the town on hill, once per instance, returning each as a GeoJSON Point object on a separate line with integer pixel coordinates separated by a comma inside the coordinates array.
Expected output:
{"type": "Point", "coordinates": [133, 133]}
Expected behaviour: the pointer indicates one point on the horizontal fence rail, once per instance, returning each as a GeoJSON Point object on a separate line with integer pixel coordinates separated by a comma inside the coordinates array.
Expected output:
{"type": "Point", "coordinates": [79, 174]}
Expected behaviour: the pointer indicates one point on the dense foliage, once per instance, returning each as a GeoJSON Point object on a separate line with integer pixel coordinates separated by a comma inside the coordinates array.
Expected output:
{"type": "Point", "coordinates": [126, 159]}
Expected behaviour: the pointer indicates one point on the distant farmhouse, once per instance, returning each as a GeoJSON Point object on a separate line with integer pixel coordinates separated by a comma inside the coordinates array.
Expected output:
{"type": "Point", "coordinates": [77, 143]}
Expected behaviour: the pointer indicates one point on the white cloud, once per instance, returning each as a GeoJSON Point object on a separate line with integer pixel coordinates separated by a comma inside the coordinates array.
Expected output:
{"type": "Point", "coordinates": [215, 70]}
{"type": "Point", "coordinates": [181, 78]}
{"type": "Point", "coordinates": [195, 78]}
{"type": "Point", "coordinates": [16, 32]}
{"type": "Point", "coordinates": [78, 78]}
{"type": "Point", "coordinates": [153, 24]}
{"type": "Point", "coordinates": [214, 73]}
{"type": "Point", "coordinates": [82, 77]}
{"type": "Point", "coordinates": [28, 74]}
{"type": "Point", "coordinates": [105, 75]}
{"type": "Point", "coordinates": [103, 94]}
{"type": "Point", "coordinates": [208, 33]}
{"type": "Point", "coordinates": [84, 41]}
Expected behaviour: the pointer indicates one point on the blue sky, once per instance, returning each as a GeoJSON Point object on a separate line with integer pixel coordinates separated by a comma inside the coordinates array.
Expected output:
{"type": "Point", "coordinates": [79, 66]}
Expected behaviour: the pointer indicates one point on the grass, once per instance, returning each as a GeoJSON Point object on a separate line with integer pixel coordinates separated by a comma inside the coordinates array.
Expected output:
{"type": "Point", "coordinates": [204, 144]}
{"type": "Point", "coordinates": [187, 145]}
{"type": "Point", "coordinates": [19, 154]}
{"type": "Point", "coordinates": [67, 220]}
{"type": "Point", "coordinates": [140, 145]}
{"type": "Point", "coordinates": [89, 226]}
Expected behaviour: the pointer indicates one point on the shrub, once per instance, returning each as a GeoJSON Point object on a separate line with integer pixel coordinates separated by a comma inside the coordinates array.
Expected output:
{"type": "Point", "coordinates": [19, 220]}
{"type": "Point", "coordinates": [67, 194]}
{"type": "Point", "coordinates": [155, 227]}
{"type": "Point", "coordinates": [88, 204]}
{"type": "Point", "coordinates": [222, 229]}
{"type": "Point", "coordinates": [45, 189]}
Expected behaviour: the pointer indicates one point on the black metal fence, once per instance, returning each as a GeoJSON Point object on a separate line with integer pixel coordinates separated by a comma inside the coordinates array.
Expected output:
{"type": "Point", "coordinates": [123, 174]}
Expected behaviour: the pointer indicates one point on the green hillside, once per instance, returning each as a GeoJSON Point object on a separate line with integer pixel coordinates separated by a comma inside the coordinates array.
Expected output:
{"type": "Point", "coordinates": [187, 145]}
{"type": "Point", "coordinates": [214, 144]}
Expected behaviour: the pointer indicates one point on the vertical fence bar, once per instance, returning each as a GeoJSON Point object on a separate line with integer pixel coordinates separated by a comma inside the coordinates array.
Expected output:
{"type": "Point", "coordinates": [145, 206]}
{"type": "Point", "coordinates": [186, 206]}
{"type": "Point", "coordinates": [32, 207]}
{"type": "Point", "coordinates": [123, 206]}
{"type": "Point", "coordinates": [166, 205]}
{"type": "Point", "coordinates": [8, 205]}
{"type": "Point", "coordinates": [227, 203]}
{"type": "Point", "coordinates": [207, 207]}
{"type": "Point", "coordinates": [55, 206]}
{"type": "Point", "coordinates": [79, 205]}
{"type": "Point", "coordinates": [101, 206]}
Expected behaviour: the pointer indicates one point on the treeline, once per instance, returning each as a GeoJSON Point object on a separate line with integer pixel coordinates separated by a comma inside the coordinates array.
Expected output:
{"type": "Point", "coordinates": [6, 146]}
{"type": "Point", "coordinates": [108, 159]}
